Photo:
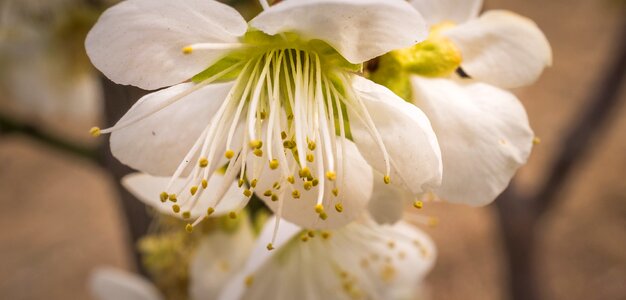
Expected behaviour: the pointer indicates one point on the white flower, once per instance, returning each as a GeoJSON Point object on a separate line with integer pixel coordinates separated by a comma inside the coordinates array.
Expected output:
{"type": "Point", "coordinates": [217, 259]}
{"type": "Point", "coordinates": [499, 47]}
{"type": "Point", "coordinates": [362, 260]}
{"type": "Point", "coordinates": [289, 114]}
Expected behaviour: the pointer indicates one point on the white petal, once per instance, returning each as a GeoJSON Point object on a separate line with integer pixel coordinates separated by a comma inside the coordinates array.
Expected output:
{"type": "Point", "coordinates": [218, 258]}
{"type": "Point", "coordinates": [484, 136]}
{"type": "Point", "coordinates": [457, 11]}
{"type": "Point", "coordinates": [379, 261]}
{"type": "Point", "coordinates": [158, 143]}
{"type": "Point", "coordinates": [148, 188]}
{"type": "Point", "coordinates": [354, 194]}
{"type": "Point", "coordinates": [406, 134]}
{"type": "Point", "coordinates": [260, 255]}
{"type": "Point", "coordinates": [359, 29]}
{"type": "Point", "coordinates": [112, 284]}
{"type": "Point", "coordinates": [388, 202]}
{"type": "Point", "coordinates": [140, 42]}
{"type": "Point", "coordinates": [502, 48]}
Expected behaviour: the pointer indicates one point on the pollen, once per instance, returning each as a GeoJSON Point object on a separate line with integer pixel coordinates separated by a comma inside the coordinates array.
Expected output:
{"type": "Point", "coordinates": [95, 131]}
{"type": "Point", "coordinates": [270, 247]}
{"type": "Point", "coordinates": [310, 157]}
{"type": "Point", "coordinates": [323, 216]}
{"type": "Point", "coordinates": [308, 185]}
{"type": "Point", "coordinates": [229, 154]}
{"type": "Point", "coordinates": [240, 182]}
{"type": "Point", "coordinates": [210, 211]}
{"type": "Point", "coordinates": [325, 235]}
{"type": "Point", "coordinates": [387, 179]}
{"type": "Point", "coordinates": [176, 208]}
{"type": "Point", "coordinates": [267, 193]}
{"type": "Point", "coordinates": [304, 238]}
{"type": "Point", "coordinates": [189, 228]}
{"type": "Point", "coordinates": [291, 179]}
{"type": "Point", "coordinates": [193, 190]}
{"type": "Point", "coordinates": [304, 172]}
{"type": "Point", "coordinates": [186, 215]}
{"type": "Point", "coordinates": [311, 234]}
{"type": "Point", "coordinates": [172, 197]}
{"type": "Point", "coordinates": [331, 175]}
{"type": "Point", "coordinates": [335, 192]}
{"type": "Point", "coordinates": [164, 196]}
{"type": "Point", "coordinates": [339, 207]}
{"type": "Point", "coordinates": [247, 193]}
{"type": "Point", "coordinates": [283, 135]}
{"type": "Point", "coordinates": [232, 215]}
{"type": "Point", "coordinates": [273, 164]}
{"type": "Point", "coordinates": [256, 144]}
{"type": "Point", "coordinates": [205, 183]}
{"type": "Point", "coordinates": [203, 162]}
{"type": "Point", "coordinates": [319, 208]}
{"type": "Point", "coordinates": [249, 280]}
{"type": "Point", "coordinates": [312, 145]}
{"type": "Point", "coordinates": [536, 140]}
{"type": "Point", "coordinates": [289, 144]}
{"type": "Point", "coordinates": [274, 198]}
{"type": "Point", "coordinates": [258, 152]}
{"type": "Point", "coordinates": [295, 194]}
{"type": "Point", "coordinates": [187, 50]}
{"type": "Point", "coordinates": [418, 204]}
{"type": "Point", "coordinates": [253, 183]}
{"type": "Point", "coordinates": [315, 181]}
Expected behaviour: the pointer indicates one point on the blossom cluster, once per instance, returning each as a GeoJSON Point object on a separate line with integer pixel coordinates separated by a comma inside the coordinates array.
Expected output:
{"type": "Point", "coordinates": [335, 114]}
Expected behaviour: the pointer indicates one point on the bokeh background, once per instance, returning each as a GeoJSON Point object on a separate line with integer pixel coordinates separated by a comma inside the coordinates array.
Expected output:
{"type": "Point", "coordinates": [60, 215]}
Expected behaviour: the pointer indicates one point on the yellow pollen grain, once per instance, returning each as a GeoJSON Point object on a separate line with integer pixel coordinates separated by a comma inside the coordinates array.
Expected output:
{"type": "Point", "coordinates": [310, 157]}
{"type": "Point", "coordinates": [273, 164]}
{"type": "Point", "coordinates": [247, 192]}
{"type": "Point", "coordinates": [418, 204]}
{"type": "Point", "coordinates": [267, 193]}
{"type": "Point", "coordinates": [95, 131]}
{"type": "Point", "coordinates": [339, 207]}
{"type": "Point", "coordinates": [387, 179]}
{"type": "Point", "coordinates": [164, 196]}
{"type": "Point", "coordinates": [249, 280]}
{"type": "Point", "coordinates": [331, 175]}
{"type": "Point", "coordinates": [323, 216]}
{"type": "Point", "coordinates": [173, 198]}
{"type": "Point", "coordinates": [295, 194]}
{"type": "Point", "coordinates": [308, 185]}
{"type": "Point", "coordinates": [240, 182]}
{"type": "Point", "coordinates": [283, 135]}
{"type": "Point", "coordinates": [186, 215]}
{"type": "Point", "coordinates": [536, 140]}
{"type": "Point", "coordinates": [291, 179]}
{"type": "Point", "coordinates": [312, 145]}
{"type": "Point", "coordinates": [270, 247]}
{"type": "Point", "coordinates": [176, 208]}
{"type": "Point", "coordinates": [274, 198]}
{"type": "Point", "coordinates": [258, 152]}
{"type": "Point", "coordinates": [193, 190]}
{"type": "Point", "coordinates": [210, 211]}
{"type": "Point", "coordinates": [315, 181]}
{"type": "Point", "coordinates": [289, 144]}
{"type": "Point", "coordinates": [256, 144]}
{"type": "Point", "coordinates": [263, 115]}
{"type": "Point", "coordinates": [319, 208]}
{"type": "Point", "coordinates": [187, 50]}
{"type": "Point", "coordinates": [229, 154]}
{"type": "Point", "coordinates": [232, 215]}
{"type": "Point", "coordinates": [311, 234]}
{"type": "Point", "coordinates": [205, 183]}
{"type": "Point", "coordinates": [276, 185]}
{"type": "Point", "coordinates": [325, 235]}
{"type": "Point", "coordinates": [203, 162]}
{"type": "Point", "coordinates": [304, 172]}
{"type": "Point", "coordinates": [189, 228]}
{"type": "Point", "coordinates": [304, 238]}
{"type": "Point", "coordinates": [253, 183]}
{"type": "Point", "coordinates": [335, 192]}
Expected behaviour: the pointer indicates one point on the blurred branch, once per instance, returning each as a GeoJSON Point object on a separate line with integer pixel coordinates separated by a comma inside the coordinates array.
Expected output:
{"type": "Point", "coordinates": [519, 212]}
{"type": "Point", "coordinates": [9, 126]}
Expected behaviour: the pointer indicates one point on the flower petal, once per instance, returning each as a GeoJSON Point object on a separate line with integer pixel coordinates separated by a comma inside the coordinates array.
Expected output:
{"type": "Point", "coordinates": [359, 29]}
{"type": "Point", "coordinates": [218, 258]}
{"type": "Point", "coordinates": [407, 136]}
{"type": "Point", "coordinates": [158, 143]}
{"type": "Point", "coordinates": [457, 11]}
{"type": "Point", "coordinates": [140, 42]}
{"type": "Point", "coordinates": [148, 188]}
{"type": "Point", "coordinates": [387, 203]}
{"type": "Point", "coordinates": [502, 48]}
{"type": "Point", "coordinates": [363, 258]}
{"type": "Point", "coordinates": [353, 194]}
{"type": "Point", "coordinates": [484, 136]}
{"type": "Point", "coordinates": [112, 284]}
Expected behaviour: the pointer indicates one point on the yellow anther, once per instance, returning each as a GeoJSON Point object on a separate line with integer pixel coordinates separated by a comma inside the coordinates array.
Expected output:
{"type": "Point", "coordinates": [203, 162]}
{"type": "Point", "coordinates": [205, 183]}
{"type": "Point", "coordinates": [315, 181]}
{"type": "Point", "coordinates": [310, 157]}
{"type": "Point", "coordinates": [304, 238]}
{"type": "Point", "coordinates": [210, 211]}
{"type": "Point", "coordinates": [274, 197]}
{"type": "Point", "coordinates": [391, 244]}
{"type": "Point", "coordinates": [273, 164]}
{"type": "Point", "coordinates": [289, 144]}
{"type": "Point", "coordinates": [256, 144]}
{"type": "Point", "coordinates": [247, 192]}
{"type": "Point", "coordinates": [253, 183]}
{"type": "Point", "coordinates": [339, 207]}
{"type": "Point", "coordinates": [418, 204]}
{"type": "Point", "coordinates": [193, 190]}
{"type": "Point", "coordinates": [325, 235]}
{"type": "Point", "coordinates": [176, 208]}
{"type": "Point", "coordinates": [312, 145]}
{"type": "Point", "coordinates": [276, 185]}
{"type": "Point", "coordinates": [308, 185]}
{"type": "Point", "coordinates": [304, 172]}
{"type": "Point", "coordinates": [232, 215]}
{"type": "Point", "coordinates": [249, 280]}
{"type": "Point", "coordinates": [172, 197]}
{"type": "Point", "coordinates": [311, 234]}
{"type": "Point", "coordinates": [291, 179]}
{"type": "Point", "coordinates": [319, 208]}
{"type": "Point", "coordinates": [270, 247]}
{"type": "Point", "coordinates": [295, 194]}
{"type": "Point", "coordinates": [267, 193]}
{"type": "Point", "coordinates": [331, 175]}
{"type": "Point", "coordinates": [263, 115]}
{"type": "Point", "coordinates": [387, 179]}
{"type": "Point", "coordinates": [536, 140]}
{"type": "Point", "coordinates": [187, 50]}
{"type": "Point", "coordinates": [283, 135]}
{"type": "Point", "coordinates": [323, 216]}
{"type": "Point", "coordinates": [189, 228]}
{"type": "Point", "coordinates": [164, 196]}
{"type": "Point", "coordinates": [335, 192]}
{"type": "Point", "coordinates": [95, 131]}
{"type": "Point", "coordinates": [229, 154]}
{"type": "Point", "coordinates": [240, 182]}
{"type": "Point", "coordinates": [186, 215]}
{"type": "Point", "coordinates": [258, 152]}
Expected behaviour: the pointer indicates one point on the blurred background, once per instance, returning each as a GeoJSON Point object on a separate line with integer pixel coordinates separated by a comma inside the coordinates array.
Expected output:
{"type": "Point", "coordinates": [61, 216]}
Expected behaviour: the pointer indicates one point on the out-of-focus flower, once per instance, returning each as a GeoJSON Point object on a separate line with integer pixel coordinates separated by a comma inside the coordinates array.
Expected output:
{"type": "Point", "coordinates": [289, 115]}
{"type": "Point", "coordinates": [362, 260]}
{"type": "Point", "coordinates": [483, 130]}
